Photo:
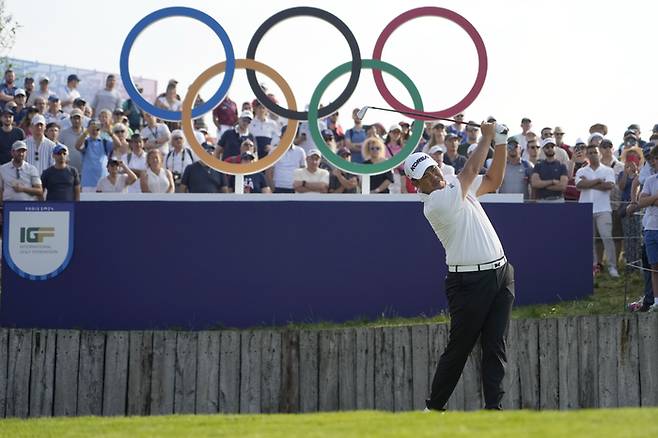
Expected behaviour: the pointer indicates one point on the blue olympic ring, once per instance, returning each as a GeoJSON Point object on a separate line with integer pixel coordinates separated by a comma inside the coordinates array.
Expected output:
{"type": "Point", "coordinates": [176, 12]}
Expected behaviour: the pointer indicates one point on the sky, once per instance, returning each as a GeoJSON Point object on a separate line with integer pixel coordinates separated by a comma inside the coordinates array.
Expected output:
{"type": "Point", "coordinates": [561, 63]}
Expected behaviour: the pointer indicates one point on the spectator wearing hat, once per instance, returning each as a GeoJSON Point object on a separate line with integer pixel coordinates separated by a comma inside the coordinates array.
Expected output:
{"type": "Point", "coordinates": [119, 177]}
{"type": "Point", "coordinates": [282, 175]}
{"type": "Point", "coordinates": [70, 93]}
{"type": "Point", "coordinates": [8, 135]}
{"type": "Point", "coordinates": [633, 159]}
{"type": "Point", "coordinates": [178, 158]}
{"type": "Point", "coordinates": [578, 160]}
{"type": "Point", "coordinates": [354, 137]}
{"type": "Point", "coordinates": [136, 161]}
{"type": "Point", "coordinates": [229, 144]}
{"type": "Point", "coordinates": [471, 137]}
{"type": "Point", "coordinates": [69, 136]}
{"type": "Point", "coordinates": [522, 137]}
{"type": "Point", "coordinates": [39, 148]}
{"type": "Point", "coordinates": [60, 181]}
{"type": "Point", "coordinates": [517, 171]}
{"type": "Point", "coordinates": [333, 124]}
{"type": "Point", "coordinates": [225, 116]}
{"type": "Point", "coordinates": [560, 154]}
{"type": "Point", "coordinates": [263, 129]}
{"type": "Point", "coordinates": [156, 179]}
{"type": "Point", "coordinates": [19, 180]}
{"type": "Point", "coordinates": [95, 151]}
{"type": "Point", "coordinates": [108, 98]}
{"type": "Point", "coordinates": [253, 183]}
{"type": "Point", "coordinates": [20, 110]}
{"type": "Point", "coordinates": [133, 112]}
{"type": "Point", "coordinates": [199, 178]}
{"type": "Point", "coordinates": [452, 156]}
{"type": "Point", "coordinates": [549, 176]}
{"type": "Point", "coordinates": [7, 88]}
{"type": "Point", "coordinates": [28, 86]}
{"type": "Point", "coordinates": [559, 141]}
{"type": "Point", "coordinates": [437, 138]}
{"type": "Point", "coordinates": [54, 112]}
{"type": "Point", "coordinates": [457, 128]}
{"type": "Point", "coordinates": [311, 179]}
{"type": "Point", "coordinates": [375, 153]}
{"type": "Point", "coordinates": [156, 135]}
{"type": "Point", "coordinates": [43, 92]}
{"type": "Point", "coordinates": [340, 181]}
{"type": "Point", "coordinates": [329, 139]}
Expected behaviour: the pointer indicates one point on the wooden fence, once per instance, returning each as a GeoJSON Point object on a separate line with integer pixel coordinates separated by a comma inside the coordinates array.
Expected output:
{"type": "Point", "coordinates": [566, 363]}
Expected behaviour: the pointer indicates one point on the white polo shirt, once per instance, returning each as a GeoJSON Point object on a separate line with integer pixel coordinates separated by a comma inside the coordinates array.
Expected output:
{"type": "Point", "coordinates": [599, 199]}
{"type": "Point", "coordinates": [461, 224]}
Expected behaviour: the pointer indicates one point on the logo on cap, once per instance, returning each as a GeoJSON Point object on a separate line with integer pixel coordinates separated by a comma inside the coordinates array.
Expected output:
{"type": "Point", "coordinates": [418, 161]}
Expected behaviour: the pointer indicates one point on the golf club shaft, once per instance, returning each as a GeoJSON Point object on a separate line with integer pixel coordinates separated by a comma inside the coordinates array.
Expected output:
{"type": "Point", "coordinates": [410, 113]}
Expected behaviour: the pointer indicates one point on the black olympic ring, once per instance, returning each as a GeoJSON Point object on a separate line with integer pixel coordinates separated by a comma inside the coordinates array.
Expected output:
{"type": "Point", "coordinates": [322, 15]}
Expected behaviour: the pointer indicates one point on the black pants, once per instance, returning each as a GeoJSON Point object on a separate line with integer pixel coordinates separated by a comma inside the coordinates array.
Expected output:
{"type": "Point", "coordinates": [480, 304]}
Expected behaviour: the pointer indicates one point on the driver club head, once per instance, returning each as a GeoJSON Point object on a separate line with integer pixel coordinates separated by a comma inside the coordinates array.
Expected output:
{"type": "Point", "coordinates": [362, 112]}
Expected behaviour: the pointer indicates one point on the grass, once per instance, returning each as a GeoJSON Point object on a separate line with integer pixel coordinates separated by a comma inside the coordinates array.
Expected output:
{"type": "Point", "coordinates": [583, 423]}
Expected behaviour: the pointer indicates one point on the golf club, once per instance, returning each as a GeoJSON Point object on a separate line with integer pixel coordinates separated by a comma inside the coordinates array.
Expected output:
{"type": "Point", "coordinates": [362, 113]}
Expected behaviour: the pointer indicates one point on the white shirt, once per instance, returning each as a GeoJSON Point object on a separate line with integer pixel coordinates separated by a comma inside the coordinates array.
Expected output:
{"type": "Point", "coordinates": [461, 224]}
{"type": "Point", "coordinates": [58, 118]}
{"type": "Point", "coordinates": [157, 183]}
{"type": "Point", "coordinates": [136, 162]}
{"type": "Point", "coordinates": [26, 175]}
{"type": "Point", "coordinates": [447, 169]}
{"type": "Point", "coordinates": [105, 185]}
{"type": "Point", "coordinates": [159, 131]}
{"type": "Point", "coordinates": [177, 162]}
{"type": "Point", "coordinates": [650, 219]}
{"type": "Point", "coordinates": [69, 94]}
{"type": "Point", "coordinates": [267, 128]}
{"type": "Point", "coordinates": [284, 169]}
{"type": "Point", "coordinates": [320, 175]}
{"type": "Point", "coordinates": [599, 199]}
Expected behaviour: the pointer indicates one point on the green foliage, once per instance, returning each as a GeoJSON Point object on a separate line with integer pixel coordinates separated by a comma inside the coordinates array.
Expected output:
{"type": "Point", "coordinates": [8, 28]}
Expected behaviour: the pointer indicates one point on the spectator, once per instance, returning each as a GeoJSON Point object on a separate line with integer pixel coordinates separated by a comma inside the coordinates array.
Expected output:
{"type": "Point", "coordinates": [517, 172]}
{"type": "Point", "coordinates": [311, 178]}
{"type": "Point", "coordinates": [560, 154]}
{"type": "Point", "coordinates": [199, 178]}
{"type": "Point", "coordinates": [549, 177]}
{"type": "Point", "coordinates": [60, 181]}
{"type": "Point", "coordinates": [156, 179]}
{"type": "Point", "coordinates": [21, 109]}
{"type": "Point", "coordinates": [471, 137]}
{"type": "Point", "coordinates": [28, 86]}
{"type": "Point", "coordinates": [631, 223]}
{"type": "Point", "coordinates": [225, 116]}
{"type": "Point", "coordinates": [119, 177]}
{"type": "Point", "coordinates": [8, 135]}
{"type": "Point", "coordinates": [457, 128]}
{"type": "Point", "coordinates": [452, 157]}
{"type": "Point", "coordinates": [43, 92]}
{"type": "Point", "coordinates": [8, 88]}
{"type": "Point", "coordinates": [134, 113]}
{"type": "Point", "coordinates": [178, 158]}
{"type": "Point", "coordinates": [39, 148]}
{"type": "Point", "coordinates": [254, 183]}
{"type": "Point", "coordinates": [95, 152]}
{"type": "Point", "coordinates": [54, 113]}
{"type": "Point", "coordinates": [263, 130]}
{"type": "Point", "coordinates": [136, 161]}
{"type": "Point", "coordinates": [26, 123]}
{"type": "Point", "coordinates": [578, 160]}
{"type": "Point", "coordinates": [120, 137]}
{"type": "Point", "coordinates": [170, 101]}
{"type": "Point", "coordinates": [245, 146]}
{"type": "Point", "coordinates": [69, 137]}
{"type": "Point", "coordinates": [156, 135]}
{"type": "Point", "coordinates": [334, 125]}
{"type": "Point", "coordinates": [343, 182]}
{"type": "Point", "coordinates": [329, 139]}
{"type": "Point", "coordinates": [608, 159]}
{"type": "Point", "coordinates": [648, 199]}
{"type": "Point", "coordinates": [40, 105]}
{"type": "Point", "coordinates": [281, 175]}
{"type": "Point", "coordinates": [394, 145]}
{"type": "Point", "coordinates": [70, 93]}
{"type": "Point", "coordinates": [374, 153]}
{"type": "Point", "coordinates": [229, 143]}
{"type": "Point", "coordinates": [107, 98]}
{"type": "Point", "coordinates": [437, 138]}
{"type": "Point", "coordinates": [354, 138]}
{"type": "Point", "coordinates": [559, 141]}
{"type": "Point", "coordinates": [595, 183]}
{"type": "Point", "coordinates": [19, 180]}
{"type": "Point", "coordinates": [406, 132]}
{"type": "Point", "coordinates": [522, 138]}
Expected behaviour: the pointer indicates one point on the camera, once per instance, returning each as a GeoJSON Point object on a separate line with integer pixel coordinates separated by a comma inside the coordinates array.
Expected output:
{"type": "Point", "coordinates": [177, 177]}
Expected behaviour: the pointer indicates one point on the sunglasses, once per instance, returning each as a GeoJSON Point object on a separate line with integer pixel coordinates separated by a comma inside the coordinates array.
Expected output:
{"type": "Point", "coordinates": [375, 148]}
{"type": "Point", "coordinates": [533, 147]}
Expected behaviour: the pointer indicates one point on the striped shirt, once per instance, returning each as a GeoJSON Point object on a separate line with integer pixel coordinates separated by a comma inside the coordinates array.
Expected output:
{"type": "Point", "coordinates": [40, 154]}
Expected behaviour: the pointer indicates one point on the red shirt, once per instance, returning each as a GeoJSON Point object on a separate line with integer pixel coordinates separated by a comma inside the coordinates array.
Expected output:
{"type": "Point", "coordinates": [226, 112]}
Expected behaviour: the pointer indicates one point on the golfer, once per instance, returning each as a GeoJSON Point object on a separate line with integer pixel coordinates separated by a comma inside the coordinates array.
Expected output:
{"type": "Point", "coordinates": [480, 281]}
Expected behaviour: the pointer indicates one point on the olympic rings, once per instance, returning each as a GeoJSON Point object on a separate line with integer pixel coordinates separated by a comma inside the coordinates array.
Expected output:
{"type": "Point", "coordinates": [237, 168]}
{"type": "Point", "coordinates": [455, 18]}
{"type": "Point", "coordinates": [176, 12]}
{"type": "Point", "coordinates": [329, 18]}
{"type": "Point", "coordinates": [358, 168]}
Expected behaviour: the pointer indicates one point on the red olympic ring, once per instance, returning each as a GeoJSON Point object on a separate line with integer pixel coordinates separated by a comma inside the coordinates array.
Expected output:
{"type": "Point", "coordinates": [455, 18]}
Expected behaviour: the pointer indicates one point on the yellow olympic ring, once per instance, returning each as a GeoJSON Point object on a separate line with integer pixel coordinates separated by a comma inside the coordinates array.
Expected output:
{"type": "Point", "coordinates": [238, 168]}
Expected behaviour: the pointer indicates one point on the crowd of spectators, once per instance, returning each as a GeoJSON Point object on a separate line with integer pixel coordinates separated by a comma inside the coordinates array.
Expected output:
{"type": "Point", "coordinates": [54, 144]}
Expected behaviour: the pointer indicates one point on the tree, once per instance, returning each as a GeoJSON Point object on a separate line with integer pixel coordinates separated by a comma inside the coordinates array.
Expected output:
{"type": "Point", "coordinates": [8, 28]}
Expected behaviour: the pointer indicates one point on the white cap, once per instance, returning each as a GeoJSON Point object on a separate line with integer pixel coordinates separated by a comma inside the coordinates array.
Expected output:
{"type": "Point", "coordinates": [38, 119]}
{"type": "Point", "coordinates": [417, 163]}
{"type": "Point", "coordinates": [593, 136]}
{"type": "Point", "coordinates": [44, 78]}
{"type": "Point", "coordinates": [394, 127]}
{"type": "Point", "coordinates": [247, 114]}
{"type": "Point", "coordinates": [436, 148]}
{"type": "Point", "coordinates": [548, 141]}
{"type": "Point", "coordinates": [314, 152]}
{"type": "Point", "coordinates": [177, 133]}
{"type": "Point", "coordinates": [580, 141]}
{"type": "Point", "coordinates": [19, 92]}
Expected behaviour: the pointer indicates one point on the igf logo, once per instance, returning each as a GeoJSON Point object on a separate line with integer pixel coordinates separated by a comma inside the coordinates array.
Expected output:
{"type": "Point", "coordinates": [36, 234]}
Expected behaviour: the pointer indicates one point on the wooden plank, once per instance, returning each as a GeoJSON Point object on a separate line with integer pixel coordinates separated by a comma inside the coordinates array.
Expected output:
{"type": "Point", "coordinates": [568, 362]}
{"type": "Point", "coordinates": [384, 369]}
{"type": "Point", "coordinates": [548, 364]}
{"type": "Point", "coordinates": [185, 376]}
{"type": "Point", "coordinates": [402, 369]}
{"type": "Point", "coordinates": [66, 372]}
{"type": "Point", "coordinates": [512, 397]}
{"type": "Point", "coordinates": [207, 382]}
{"type": "Point", "coordinates": [628, 374]}
{"type": "Point", "coordinates": [365, 368]}
{"type": "Point", "coordinates": [588, 365]}
{"type": "Point", "coordinates": [229, 372]}
{"type": "Point", "coordinates": [420, 364]}
{"type": "Point", "coordinates": [289, 392]}
{"type": "Point", "coordinates": [4, 359]}
{"type": "Point", "coordinates": [328, 371]}
{"type": "Point", "coordinates": [648, 333]}
{"type": "Point", "coordinates": [270, 382]}
{"type": "Point", "coordinates": [439, 335]}
{"type": "Point", "coordinates": [90, 377]}
{"type": "Point", "coordinates": [42, 376]}
{"type": "Point", "coordinates": [18, 373]}
{"type": "Point", "coordinates": [308, 371]}
{"type": "Point", "coordinates": [472, 377]}
{"type": "Point", "coordinates": [115, 389]}
{"type": "Point", "coordinates": [250, 366]}
{"type": "Point", "coordinates": [347, 370]}
{"type": "Point", "coordinates": [163, 373]}
{"type": "Point", "coordinates": [607, 366]}
{"type": "Point", "coordinates": [140, 365]}
{"type": "Point", "coordinates": [528, 363]}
